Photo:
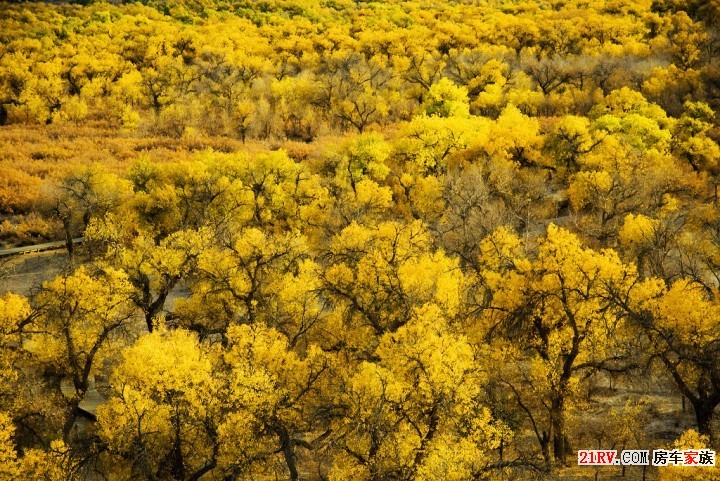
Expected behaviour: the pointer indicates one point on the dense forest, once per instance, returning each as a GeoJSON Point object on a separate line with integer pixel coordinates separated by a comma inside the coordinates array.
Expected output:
{"type": "Point", "coordinates": [358, 240]}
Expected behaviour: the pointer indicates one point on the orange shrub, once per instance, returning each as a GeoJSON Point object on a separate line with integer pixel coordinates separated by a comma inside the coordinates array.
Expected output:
{"type": "Point", "coordinates": [18, 190]}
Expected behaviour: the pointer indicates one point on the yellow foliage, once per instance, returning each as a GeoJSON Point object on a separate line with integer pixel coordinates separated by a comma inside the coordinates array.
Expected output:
{"type": "Point", "coordinates": [164, 389]}
{"type": "Point", "coordinates": [638, 230]}
{"type": "Point", "coordinates": [9, 468]}
{"type": "Point", "coordinates": [337, 221]}
{"type": "Point", "coordinates": [445, 99]}
{"type": "Point", "coordinates": [689, 440]}
{"type": "Point", "coordinates": [55, 464]}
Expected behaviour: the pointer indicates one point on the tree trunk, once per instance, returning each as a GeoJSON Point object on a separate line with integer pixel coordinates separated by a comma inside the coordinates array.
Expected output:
{"type": "Point", "coordinates": [545, 448]}
{"type": "Point", "coordinates": [178, 463]}
{"type": "Point", "coordinates": [70, 419]}
{"type": "Point", "coordinates": [155, 307]}
{"type": "Point", "coordinates": [286, 444]}
{"type": "Point", "coordinates": [433, 421]}
{"type": "Point", "coordinates": [557, 419]}
{"type": "Point", "coordinates": [704, 411]}
{"type": "Point", "coordinates": [69, 245]}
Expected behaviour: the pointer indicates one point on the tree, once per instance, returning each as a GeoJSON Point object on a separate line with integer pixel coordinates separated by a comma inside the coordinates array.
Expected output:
{"type": "Point", "coordinates": [88, 193]}
{"type": "Point", "coordinates": [153, 268]}
{"type": "Point", "coordinates": [690, 440]}
{"type": "Point", "coordinates": [690, 137]}
{"type": "Point", "coordinates": [355, 90]}
{"type": "Point", "coordinates": [686, 41]}
{"type": "Point", "coordinates": [163, 417]}
{"type": "Point", "coordinates": [556, 307]}
{"type": "Point", "coordinates": [276, 190]}
{"type": "Point", "coordinates": [166, 75]}
{"type": "Point", "coordinates": [173, 415]}
{"type": "Point", "coordinates": [184, 195]}
{"type": "Point", "coordinates": [79, 317]}
{"type": "Point", "coordinates": [237, 280]}
{"type": "Point", "coordinates": [569, 140]}
{"type": "Point", "coordinates": [377, 275]}
{"type": "Point", "coordinates": [275, 395]}
{"type": "Point", "coordinates": [550, 73]}
{"type": "Point", "coordinates": [364, 157]}
{"type": "Point", "coordinates": [9, 468]}
{"type": "Point", "coordinates": [15, 78]}
{"type": "Point", "coordinates": [445, 99]}
{"type": "Point", "coordinates": [605, 190]}
{"type": "Point", "coordinates": [516, 137]}
{"type": "Point", "coordinates": [293, 101]}
{"type": "Point", "coordinates": [414, 412]}
{"type": "Point", "coordinates": [428, 142]}
{"type": "Point", "coordinates": [679, 322]}
{"type": "Point", "coordinates": [15, 315]}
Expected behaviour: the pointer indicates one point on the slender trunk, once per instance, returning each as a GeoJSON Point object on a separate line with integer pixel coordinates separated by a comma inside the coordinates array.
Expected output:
{"type": "Point", "coordinates": [178, 463]}
{"type": "Point", "coordinates": [150, 321]}
{"type": "Point", "coordinates": [154, 308]}
{"type": "Point", "coordinates": [433, 422]}
{"type": "Point", "coordinates": [73, 412]}
{"type": "Point", "coordinates": [558, 441]}
{"type": "Point", "coordinates": [69, 245]}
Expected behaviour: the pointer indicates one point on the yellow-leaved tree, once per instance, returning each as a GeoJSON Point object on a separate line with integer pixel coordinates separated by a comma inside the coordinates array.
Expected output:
{"type": "Point", "coordinates": [79, 319]}
{"type": "Point", "coordinates": [550, 312]}
{"type": "Point", "coordinates": [378, 275]}
{"type": "Point", "coordinates": [163, 416]}
{"type": "Point", "coordinates": [414, 411]}
{"type": "Point", "coordinates": [276, 399]}
{"type": "Point", "coordinates": [680, 322]}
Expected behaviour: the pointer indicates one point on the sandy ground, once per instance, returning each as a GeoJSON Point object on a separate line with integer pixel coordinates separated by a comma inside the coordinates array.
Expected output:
{"type": "Point", "coordinates": [24, 273]}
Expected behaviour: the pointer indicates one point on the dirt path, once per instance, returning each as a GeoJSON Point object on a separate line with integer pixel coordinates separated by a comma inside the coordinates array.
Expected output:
{"type": "Point", "coordinates": [20, 274]}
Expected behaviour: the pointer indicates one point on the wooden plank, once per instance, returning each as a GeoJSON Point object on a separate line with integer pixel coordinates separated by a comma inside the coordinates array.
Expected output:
{"type": "Point", "coordinates": [37, 247]}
